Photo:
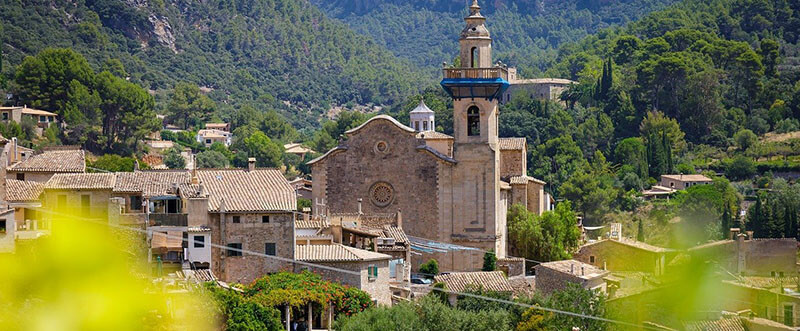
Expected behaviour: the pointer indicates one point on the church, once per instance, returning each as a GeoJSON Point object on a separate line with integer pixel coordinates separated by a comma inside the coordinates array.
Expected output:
{"type": "Point", "coordinates": [450, 189]}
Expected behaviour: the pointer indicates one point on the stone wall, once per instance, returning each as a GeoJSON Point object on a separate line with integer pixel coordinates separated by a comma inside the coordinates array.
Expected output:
{"type": "Point", "coordinates": [512, 266]}
{"type": "Point", "coordinates": [253, 235]}
{"type": "Point", "coordinates": [411, 174]}
{"type": "Point", "coordinates": [40, 177]}
{"type": "Point", "coordinates": [512, 163]}
{"type": "Point", "coordinates": [616, 256]}
{"type": "Point", "coordinates": [377, 288]}
{"type": "Point", "coordinates": [765, 256]}
{"type": "Point", "coordinates": [549, 281]}
{"type": "Point", "coordinates": [98, 203]}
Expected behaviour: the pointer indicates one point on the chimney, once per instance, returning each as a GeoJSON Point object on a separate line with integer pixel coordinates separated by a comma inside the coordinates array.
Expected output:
{"type": "Point", "coordinates": [359, 206]}
{"type": "Point", "coordinates": [733, 233]}
{"type": "Point", "coordinates": [749, 235]}
{"type": "Point", "coordinates": [14, 154]}
{"type": "Point", "coordinates": [571, 269]}
{"type": "Point", "coordinates": [251, 164]}
{"type": "Point", "coordinates": [399, 219]}
{"type": "Point", "coordinates": [135, 165]}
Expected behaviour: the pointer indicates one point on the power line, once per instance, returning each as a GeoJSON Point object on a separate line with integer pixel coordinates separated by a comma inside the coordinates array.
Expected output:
{"type": "Point", "coordinates": [320, 266]}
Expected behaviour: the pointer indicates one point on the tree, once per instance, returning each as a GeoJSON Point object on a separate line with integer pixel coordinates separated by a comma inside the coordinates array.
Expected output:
{"type": "Point", "coordinates": [632, 152]}
{"type": "Point", "coordinates": [211, 159]}
{"type": "Point", "coordinates": [551, 236]}
{"type": "Point", "coordinates": [187, 104]}
{"type": "Point", "coordinates": [266, 152]}
{"type": "Point", "coordinates": [114, 163]}
{"type": "Point", "coordinates": [640, 231]}
{"type": "Point", "coordinates": [489, 261]}
{"type": "Point", "coordinates": [127, 113]}
{"type": "Point", "coordinates": [744, 139]}
{"type": "Point", "coordinates": [740, 167]}
{"type": "Point", "coordinates": [277, 128]}
{"type": "Point", "coordinates": [430, 268]}
{"type": "Point", "coordinates": [173, 159]}
{"type": "Point", "coordinates": [44, 79]}
{"type": "Point", "coordinates": [656, 123]}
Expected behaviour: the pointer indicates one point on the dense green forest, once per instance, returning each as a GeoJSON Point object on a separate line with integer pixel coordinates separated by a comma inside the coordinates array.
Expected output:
{"type": "Point", "coordinates": [274, 52]}
{"type": "Point", "coordinates": [526, 33]}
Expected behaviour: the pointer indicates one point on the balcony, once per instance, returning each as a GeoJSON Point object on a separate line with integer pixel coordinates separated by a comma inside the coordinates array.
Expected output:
{"type": "Point", "coordinates": [169, 220]}
{"type": "Point", "coordinates": [476, 73]}
{"type": "Point", "coordinates": [488, 83]}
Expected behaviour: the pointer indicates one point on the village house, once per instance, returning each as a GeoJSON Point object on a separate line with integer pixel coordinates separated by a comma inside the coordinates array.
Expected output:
{"type": "Point", "coordinates": [372, 268]}
{"type": "Point", "coordinates": [219, 126]}
{"type": "Point", "coordinates": [159, 146]}
{"type": "Point", "coordinates": [549, 89]}
{"type": "Point", "coordinates": [25, 198]}
{"type": "Point", "coordinates": [622, 254]}
{"type": "Point", "coordinates": [450, 189]}
{"type": "Point", "coordinates": [303, 187]}
{"type": "Point", "coordinates": [208, 137]}
{"type": "Point", "coordinates": [7, 231]}
{"type": "Point", "coordinates": [43, 119]}
{"type": "Point", "coordinates": [554, 276]}
{"type": "Point", "coordinates": [459, 282]}
{"type": "Point", "coordinates": [297, 149]}
{"type": "Point", "coordinates": [40, 166]}
{"type": "Point", "coordinates": [248, 209]}
{"type": "Point", "coordinates": [682, 182]}
{"type": "Point", "coordinates": [744, 255]}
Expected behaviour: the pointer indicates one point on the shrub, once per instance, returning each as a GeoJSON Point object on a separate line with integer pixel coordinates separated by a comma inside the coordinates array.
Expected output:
{"type": "Point", "coordinates": [740, 167]}
{"type": "Point", "coordinates": [430, 268]}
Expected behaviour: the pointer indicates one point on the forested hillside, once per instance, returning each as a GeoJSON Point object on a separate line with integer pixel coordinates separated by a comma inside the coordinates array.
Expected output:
{"type": "Point", "coordinates": [527, 33]}
{"type": "Point", "coordinates": [240, 51]}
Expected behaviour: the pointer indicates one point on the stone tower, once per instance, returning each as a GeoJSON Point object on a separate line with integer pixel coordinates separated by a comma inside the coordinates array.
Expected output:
{"type": "Point", "coordinates": [477, 210]}
{"type": "Point", "coordinates": [422, 118]}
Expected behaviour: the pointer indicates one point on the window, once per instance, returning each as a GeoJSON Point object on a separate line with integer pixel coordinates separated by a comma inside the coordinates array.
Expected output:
{"type": "Point", "coordinates": [235, 249]}
{"type": "Point", "coordinates": [591, 259]}
{"type": "Point", "coordinates": [85, 203]}
{"type": "Point", "coordinates": [473, 121]}
{"type": "Point", "coordinates": [237, 219]}
{"type": "Point", "coordinates": [42, 118]}
{"type": "Point", "coordinates": [425, 126]}
{"type": "Point", "coordinates": [372, 272]}
{"type": "Point", "coordinates": [269, 249]}
{"type": "Point", "coordinates": [772, 273]}
{"type": "Point", "coordinates": [20, 176]}
{"type": "Point", "coordinates": [474, 57]}
{"type": "Point", "coordinates": [416, 125]}
{"type": "Point", "coordinates": [199, 241]}
{"type": "Point", "coordinates": [208, 141]}
{"type": "Point", "coordinates": [5, 116]}
{"type": "Point", "coordinates": [264, 218]}
{"type": "Point", "coordinates": [788, 314]}
{"type": "Point", "coordinates": [136, 202]}
{"type": "Point", "coordinates": [3, 226]}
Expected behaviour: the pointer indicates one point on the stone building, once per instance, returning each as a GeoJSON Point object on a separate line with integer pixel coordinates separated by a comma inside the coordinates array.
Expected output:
{"type": "Point", "coordinates": [449, 189]}
{"type": "Point", "coordinates": [555, 275]}
{"type": "Point", "coordinates": [248, 209]}
{"type": "Point", "coordinates": [85, 195]}
{"type": "Point", "coordinates": [682, 182]}
{"type": "Point", "coordinates": [741, 254]}
{"type": "Point", "coordinates": [43, 119]}
{"type": "Point", "coordinates": [625, 255]}
{"type": "Point", "coordinates": [494, 281]}
{"type": "Point", "coordinates": [39, 167]}
{"type": "Point", "coordinates": [370, 269]}
{"type": "Point", "coordinates": [539, 88]}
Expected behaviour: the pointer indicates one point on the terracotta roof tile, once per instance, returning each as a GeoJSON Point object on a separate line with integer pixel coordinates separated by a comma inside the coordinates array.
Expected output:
{"type": "Point", "coordinates": [723, 324]}
{"type": "Point", "coordinates": [511, 143]}
{"type": "Point", "coordinates": [433, 135]}
{"type": "Point", "coordinates": [335, 253]}
{"type": "Point", "coordinates": [150, 183]}
{"type": "Point", "coordinates": [574, 267]}
{"type": "Point", "coordinates": [488, 280]}
{"type": "Point", "coordinates": [394, 232]}
{"type": "Point", "coordinates": [91, 181]}
{"type": "Point", "coordinates": [688, 178]}
{"type": "Point", "coordinates": [242, 190]}
{"type": "Point", "coordinates": [517, 180]}
{"type": "Point", "coordinates": [20, 190]}
{"type": "Point", "coordinates": [310, 224]}
{"type": "Point", "coordinates": [53, 161]}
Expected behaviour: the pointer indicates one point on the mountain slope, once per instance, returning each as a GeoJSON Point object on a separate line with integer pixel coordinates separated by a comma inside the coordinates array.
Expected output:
{"type": "Point", "coordinates": [240, 50]}
{"type": "Point", "coordinates": [527, 32]}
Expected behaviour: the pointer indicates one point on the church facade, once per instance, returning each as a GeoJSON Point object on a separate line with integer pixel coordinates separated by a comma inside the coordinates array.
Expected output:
{"type": "Point", "coordinates": [450, 189]}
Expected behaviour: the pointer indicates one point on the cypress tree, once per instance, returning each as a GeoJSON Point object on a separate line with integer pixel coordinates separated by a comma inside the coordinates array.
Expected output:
{"type": "Point", "coordinates": [640, 231]}
{"type": "Point", "coordinates": [787, 222]}
{"type": "Point", "coordinates": [754, 219]}
{"type": "Point", "coordinates": [667, 151]}
{"type": "Point", "coordinates": [726, 221]}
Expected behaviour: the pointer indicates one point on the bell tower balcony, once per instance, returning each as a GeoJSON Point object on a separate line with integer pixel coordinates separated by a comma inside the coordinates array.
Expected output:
{"type": "Point", "coordinates": [487, 83]}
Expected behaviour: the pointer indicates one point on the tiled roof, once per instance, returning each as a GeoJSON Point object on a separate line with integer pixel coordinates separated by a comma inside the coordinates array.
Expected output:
{"type": "Point", "coordinates": [394, 232]}
{"type": "Point", "coordinates": [634, 244]}
{"type": "Point", "coordinates": [511, 143]}
{"type": "Point", "coordinates": [150, 183]}
{"type": "Point", "coordinates": [310, 224]}
{"type": "Point", "coordinates": [433, 135]}
{"type": "Point", "coordinates": [575, 268]}
{"type": "Point", "coordinates": [31, 111]}
{"type": "Point", "coordinates": [243, 190]}
{"type": "Point", "coordinates": [723, 324]}
{"type": "Point", "coordinates": [91, 181]}
{"type": "Point", "coordinates": [488, 280]}
{"type": "Point", "coordinates": [20, 190]}
{"type": "Point", "coordinates": [516, 180]}
{"type": "Point", "coordinates": [53, 161]}
{"type": "Point", "coordinates": [335, 253]}
{"type": "Point", "coordinates": [688, 178]}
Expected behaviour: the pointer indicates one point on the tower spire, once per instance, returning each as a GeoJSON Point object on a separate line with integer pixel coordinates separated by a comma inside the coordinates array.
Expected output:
{"type": "Point", "coordinates": [474, 9]}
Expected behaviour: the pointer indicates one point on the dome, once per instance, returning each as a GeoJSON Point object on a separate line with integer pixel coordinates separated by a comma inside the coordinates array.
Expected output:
{"type": "Point", "coordinates": [422, 108]}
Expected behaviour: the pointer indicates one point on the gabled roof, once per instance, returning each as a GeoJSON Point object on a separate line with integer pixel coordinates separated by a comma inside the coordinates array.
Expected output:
{"type": "Point", "coordinates": [238, 190]}
{"type": "Point", "coordinates": [634, 244]}
{"type": "Point", "coordinates": [380, 118]}
{"type": "Point", "coordinates": [73, 160]}
{"type": "Point", "coordinates": [335, 253]}
{"type": "Point", "coordinates": [23, 191]}
{"type": "Point", "coordinates": [722, 324]}
{"type": "Point", "coordinates": [150, 183]}
{"type": "Point", "coordinates": [90, 181]}
{"type": "Point", "coordinates": [507, 144]}
{"type": "Point", "coordinates": [488, 280]}
{"type": "Point", "coordinates": [422, 108]}
{"type": "Point", "coordinates": [310, 224]}
{"type": "Point", "coordinates": [688, 178]}
{"type": "Point", "coordinates": [575, 268]}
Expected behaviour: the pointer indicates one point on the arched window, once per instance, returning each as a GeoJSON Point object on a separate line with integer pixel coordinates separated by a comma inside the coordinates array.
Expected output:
{"type": "Point", "coordinates": [474, 57]}
{"type": "Point", "coordinates": [473, 121]}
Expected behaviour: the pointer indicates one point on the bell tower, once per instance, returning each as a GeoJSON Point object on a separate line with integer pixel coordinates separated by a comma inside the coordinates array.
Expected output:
{"type": "Point", "coordinates": [475, 206]}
